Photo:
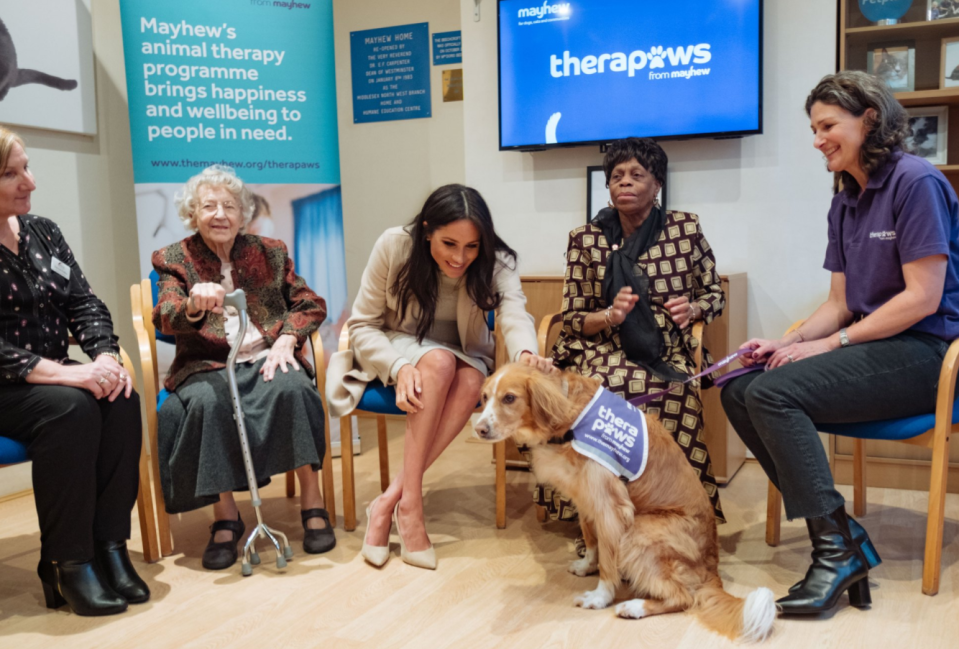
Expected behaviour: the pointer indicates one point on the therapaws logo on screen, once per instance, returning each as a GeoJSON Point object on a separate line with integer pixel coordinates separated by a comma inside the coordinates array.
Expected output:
{"type": "Point", "coordinates": [657, 57]}
{"type": "Point", "coordinates": [545, 13]}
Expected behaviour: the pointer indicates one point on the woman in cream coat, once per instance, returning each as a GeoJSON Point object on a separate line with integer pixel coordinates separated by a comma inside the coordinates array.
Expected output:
{"type": "Point", "coordinates": [419, 323]}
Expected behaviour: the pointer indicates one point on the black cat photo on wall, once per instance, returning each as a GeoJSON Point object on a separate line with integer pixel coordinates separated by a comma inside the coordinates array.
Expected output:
{"type": "Point", "coordinates": [894, 63]}
{"type": "Point", "coordinates": [46, 65]}
{"type": "Point", "coordinates": [929, 133]}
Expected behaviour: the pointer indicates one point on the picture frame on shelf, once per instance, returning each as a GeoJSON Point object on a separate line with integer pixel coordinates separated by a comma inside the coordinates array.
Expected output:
{"type": "Point", "coordinates": [930, 133]}
{"type": "Point", "coordinates": [942, 9]}
{"type": "Point", "coordinates": [597, 194]}
{"type": "Point", "coordinates": [949, 63]}
{"type": "Point", "coordinates": [895, 63]}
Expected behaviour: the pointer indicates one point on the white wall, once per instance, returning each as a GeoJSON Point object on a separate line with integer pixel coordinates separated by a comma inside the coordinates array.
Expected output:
{"type": "Point", "coordinates": [388, 169]}
{"type": "Point", "coordinates": [85, 184]}
{"type": "Point", "coordinates": [762, 199]}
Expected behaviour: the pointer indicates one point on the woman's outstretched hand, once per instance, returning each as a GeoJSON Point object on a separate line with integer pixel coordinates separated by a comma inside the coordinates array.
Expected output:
{"type": "Point", "coordinates": [541, 363]}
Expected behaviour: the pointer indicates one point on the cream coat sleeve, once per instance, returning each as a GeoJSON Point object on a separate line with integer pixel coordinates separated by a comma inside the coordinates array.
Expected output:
{"type": "Point", "coordinates": [367, 321]}
{"type": "Point", "coordinates": [517, 325]}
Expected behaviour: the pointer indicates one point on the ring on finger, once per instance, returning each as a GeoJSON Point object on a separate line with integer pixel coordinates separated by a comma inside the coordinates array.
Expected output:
{"type": "Point", "coordinates": [791, 359]}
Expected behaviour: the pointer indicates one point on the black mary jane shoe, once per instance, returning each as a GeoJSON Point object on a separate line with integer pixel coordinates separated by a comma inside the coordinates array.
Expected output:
{"type": "Point", "coordinates": [114, 564]}
{"type": "Point", "coordinates": [837, 565]}
{"type": "Point", "coordinates": [219, 556]}
{"type": "Point", "coordinates": [317, 541]}
{"type": "Point", "coordinates": [79, 584]}
{"type": "Point", "coordinates": [860, 538]}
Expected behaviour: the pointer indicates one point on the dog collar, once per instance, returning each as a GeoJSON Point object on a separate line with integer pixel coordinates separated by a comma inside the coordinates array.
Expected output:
{"type": "Point", "coordinates": [565, 439]}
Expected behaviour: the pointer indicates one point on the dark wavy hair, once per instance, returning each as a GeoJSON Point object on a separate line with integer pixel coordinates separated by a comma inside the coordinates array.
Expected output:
{"type": "Point", "coordinates": [646, 151]}
{"type": "Point", "coordinates": [417, 279]}
{"type": "Point", "coordinates": [886, 132]}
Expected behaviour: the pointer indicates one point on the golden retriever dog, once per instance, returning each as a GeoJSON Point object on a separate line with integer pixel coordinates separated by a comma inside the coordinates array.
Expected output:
{"type": "Point", "coordinates": [658, 532]}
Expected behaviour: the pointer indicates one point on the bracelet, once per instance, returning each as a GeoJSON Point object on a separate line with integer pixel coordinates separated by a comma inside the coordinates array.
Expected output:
{"type": "Point", "coordinates": [608, 311]}
{"type": "Point", "coordinates": [115, 356]}
{"type": "Point", "coordinates": [802, 338]}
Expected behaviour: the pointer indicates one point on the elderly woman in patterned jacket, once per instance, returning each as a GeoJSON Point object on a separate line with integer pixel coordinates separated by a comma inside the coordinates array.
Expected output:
{"type": "Point", "coordinates": [637, 277]}
{"type": "Point", "coordinates": [80, 422]}
{"type": "Point", "coordinates": [199, 451]}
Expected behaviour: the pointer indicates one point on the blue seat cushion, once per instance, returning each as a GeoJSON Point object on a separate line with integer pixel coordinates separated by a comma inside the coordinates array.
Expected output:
{"type": "Point", "coordinates": [12, 451]}
{"type": "Point", "coordinates": [888, 429]}
{"type": "Point", "coordinates": [380, 399]}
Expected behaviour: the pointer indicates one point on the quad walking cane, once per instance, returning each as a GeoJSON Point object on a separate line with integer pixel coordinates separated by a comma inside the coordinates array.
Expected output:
{"type": "Point", "coordinates": [237, 300]}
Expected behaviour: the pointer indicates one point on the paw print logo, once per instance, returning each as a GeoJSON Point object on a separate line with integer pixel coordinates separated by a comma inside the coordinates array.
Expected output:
{"type": "Point", "coordinates": [609, 429]}
{"type": "Point", "coordinates": [656, 58]}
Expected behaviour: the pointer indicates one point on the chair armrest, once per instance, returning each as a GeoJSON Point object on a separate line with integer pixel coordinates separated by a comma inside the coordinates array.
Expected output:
{"type": "Point", "coordinates": [344, 342]}
{"type": "Point", "coordinates": [319, 361]}
{"type": "Point", "coordinates": [796, 325]}
{"type": "Point", "coordinates": [545, 325]}
{"type": "Point", "coordinates": [946, 395]}
{"type": "Point", "coordinates": [697, 333]}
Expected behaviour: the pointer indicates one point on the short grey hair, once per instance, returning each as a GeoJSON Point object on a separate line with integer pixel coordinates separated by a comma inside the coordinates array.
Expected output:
{"type": "Point", "coordinates": [856, 92]}
{"type": "Point", "coordinates": [187, 203]}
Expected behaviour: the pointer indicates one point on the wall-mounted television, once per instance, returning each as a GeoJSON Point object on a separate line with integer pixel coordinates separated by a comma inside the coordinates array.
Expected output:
{"type": "Point", "coordinates": [577, 72]}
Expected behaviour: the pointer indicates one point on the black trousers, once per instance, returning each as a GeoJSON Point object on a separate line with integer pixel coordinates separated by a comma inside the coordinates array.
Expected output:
{"type": "Point", "coordinates": [85, 455]}
{"type": "Point", "coordinates": [774, 412]}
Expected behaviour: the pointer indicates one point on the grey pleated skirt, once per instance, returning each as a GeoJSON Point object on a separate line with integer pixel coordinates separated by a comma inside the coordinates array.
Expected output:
{"type": "Point", "coordinates": [198, 446]}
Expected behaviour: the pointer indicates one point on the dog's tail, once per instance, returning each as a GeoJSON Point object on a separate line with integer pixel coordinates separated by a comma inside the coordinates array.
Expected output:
{"type": "Point", "coordinates": [751, 618]}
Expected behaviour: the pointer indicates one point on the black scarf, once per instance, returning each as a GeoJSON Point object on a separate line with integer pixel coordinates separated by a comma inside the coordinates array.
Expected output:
{"type": "Point", "coordinates": [640, 336]}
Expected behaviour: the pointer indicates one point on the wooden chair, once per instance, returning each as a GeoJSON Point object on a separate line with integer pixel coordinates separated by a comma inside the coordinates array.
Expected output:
{"type": "Point", "coordinates": [13, 452]}
{"type": "Point", "coordinates": [549, 328]}
{"type": "Point", "coordinates": [929, 431]}
{"type": "Point", "coordinates": [142, 298]}
{"type": "Point", "coordinates": [378, 402]}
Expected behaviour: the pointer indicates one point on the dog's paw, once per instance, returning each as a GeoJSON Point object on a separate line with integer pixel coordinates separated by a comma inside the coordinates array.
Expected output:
{"type": "Point", "coordinates": [594, 599]}
{"type": "Point", "coordinates": [633, 609]}
{"type": "Point", "coordinates": [588, 565]}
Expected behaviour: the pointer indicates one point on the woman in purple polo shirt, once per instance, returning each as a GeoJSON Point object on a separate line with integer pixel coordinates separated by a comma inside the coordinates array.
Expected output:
{"type": "Point", "coordinates": [874, 349]}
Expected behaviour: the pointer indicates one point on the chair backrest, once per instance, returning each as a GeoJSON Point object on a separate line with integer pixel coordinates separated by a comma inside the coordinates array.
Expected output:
{"type": "Point", "coordinates": [155, 295]}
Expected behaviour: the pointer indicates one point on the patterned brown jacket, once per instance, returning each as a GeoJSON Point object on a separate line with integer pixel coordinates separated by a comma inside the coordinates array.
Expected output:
{"type": "Point", "coordinates": [278, 300]}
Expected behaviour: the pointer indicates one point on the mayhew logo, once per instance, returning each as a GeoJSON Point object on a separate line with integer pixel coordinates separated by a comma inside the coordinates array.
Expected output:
{"type": "Point", "coordinates": [561, 8]}
{"type": "Point", "coordinates": [655, 57]}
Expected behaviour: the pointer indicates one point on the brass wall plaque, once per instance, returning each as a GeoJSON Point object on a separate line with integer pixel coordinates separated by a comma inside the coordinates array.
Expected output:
{"type": "Point", "coordinates": [453, 85]}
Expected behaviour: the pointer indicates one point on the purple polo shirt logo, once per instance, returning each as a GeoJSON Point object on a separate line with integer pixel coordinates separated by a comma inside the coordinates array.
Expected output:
{"type": "Point", "coordinates": [612, 432]}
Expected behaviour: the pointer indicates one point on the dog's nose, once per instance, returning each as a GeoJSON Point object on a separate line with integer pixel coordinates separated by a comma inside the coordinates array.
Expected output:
{"type": "Point", "coordinates": [481, 429]}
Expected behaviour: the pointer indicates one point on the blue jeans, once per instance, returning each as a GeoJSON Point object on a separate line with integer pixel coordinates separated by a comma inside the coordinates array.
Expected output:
{"type": "Point", "coordinates": [773, 412]}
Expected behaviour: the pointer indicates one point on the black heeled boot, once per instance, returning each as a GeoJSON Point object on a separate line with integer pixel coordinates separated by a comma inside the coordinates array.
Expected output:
{"type": "Point", "coordinates": [860, 538]}
{"type": "Point", "coordinates": [837, 565]}
{"type": "Point", "coordinates": [114, 563]}
{"type": "Point", "coordinates": [78, 583]}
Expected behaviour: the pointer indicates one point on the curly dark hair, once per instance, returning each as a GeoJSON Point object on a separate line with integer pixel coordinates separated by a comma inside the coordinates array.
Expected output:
{"type": "Point", "coordinates": [886, 132]}
{"type": "Point", "coordinates": [417, 279]}
{"type": "Point", "coordinates": [644, 150]}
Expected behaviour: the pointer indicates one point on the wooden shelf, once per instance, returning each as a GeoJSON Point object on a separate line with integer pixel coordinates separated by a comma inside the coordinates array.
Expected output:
{"type": "Point", "coordinates": [948, 169]}
{"type": "Point", "coordinates": [948, 97]}
{"type": "Point", "coordinates": [928, 28]}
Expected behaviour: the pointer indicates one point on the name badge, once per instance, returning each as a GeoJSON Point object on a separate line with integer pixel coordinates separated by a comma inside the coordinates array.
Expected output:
{"type": "Point", "coordinates": [60, 268]}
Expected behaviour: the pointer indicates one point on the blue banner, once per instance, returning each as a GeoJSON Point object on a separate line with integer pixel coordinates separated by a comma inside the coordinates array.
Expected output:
{"type": "Point", "coordinates": [447, 48]}
{"type": "Point", "coordinates": [247, 83]}
{"type": "Point", "coordinates": [391, 73]}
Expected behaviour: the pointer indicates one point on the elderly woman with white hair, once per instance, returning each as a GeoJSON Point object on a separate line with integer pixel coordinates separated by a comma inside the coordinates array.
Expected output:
{"type": "Point", "coordinates": [199, 451]}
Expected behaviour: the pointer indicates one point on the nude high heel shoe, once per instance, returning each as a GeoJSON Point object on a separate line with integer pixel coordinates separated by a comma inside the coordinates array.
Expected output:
{"type": "Point", "coordinates": [377, 555]}
{"type": "Point", "coordinates": [422, 559]}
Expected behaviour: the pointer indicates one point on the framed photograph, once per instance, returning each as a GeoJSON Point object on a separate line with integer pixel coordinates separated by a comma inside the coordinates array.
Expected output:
{"type": "Point", "coordinates": [941, 9]}
{"type": "Point", "coordinates": [46, 66]}
{"type": "Point", "coordinates": [894, 63]}
{"type": "Point", "coordinates": [930, 133]}
{"type": "Point", "coordinates": [597, 194]}
{"type": "Point", "coordinates": [949, 66]}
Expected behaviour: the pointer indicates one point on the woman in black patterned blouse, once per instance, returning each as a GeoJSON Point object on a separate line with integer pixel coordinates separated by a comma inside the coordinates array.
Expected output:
{"type": "Point", "coordinates": [80, 422]}
{"type": "Point", "coordinates": [637, 277]}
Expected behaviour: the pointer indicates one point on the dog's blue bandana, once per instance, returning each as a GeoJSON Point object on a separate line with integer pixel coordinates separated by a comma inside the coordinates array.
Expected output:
{"type": "Point", "coordinates": [613, 432]}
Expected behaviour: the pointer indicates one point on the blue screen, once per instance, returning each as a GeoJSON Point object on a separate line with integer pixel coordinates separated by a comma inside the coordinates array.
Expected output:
{"type": "Point", "coordinates": [578, 71]}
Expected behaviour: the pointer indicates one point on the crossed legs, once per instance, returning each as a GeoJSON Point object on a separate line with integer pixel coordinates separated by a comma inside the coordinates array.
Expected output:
{"type": "Point", "coordinates": [450, 392]}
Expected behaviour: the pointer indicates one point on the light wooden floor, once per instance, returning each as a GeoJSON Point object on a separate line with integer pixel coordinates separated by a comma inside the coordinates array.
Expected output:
{"type": "Point", "coordinates": [493, 588]}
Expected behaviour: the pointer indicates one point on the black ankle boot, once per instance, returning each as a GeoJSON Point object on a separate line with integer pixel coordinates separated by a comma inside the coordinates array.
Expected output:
{"type": "Point", "coordinates": [78, 583]}
{"type": "Point", "coordinates": [860, 538]}
{"type": "Point", "coordinates": [114, 563]}
{"type": "Point", "coordinates": [837, 565]}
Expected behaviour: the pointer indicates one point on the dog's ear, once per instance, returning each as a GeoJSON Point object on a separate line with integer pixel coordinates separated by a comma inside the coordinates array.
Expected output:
{"type": "Point", "coordinates": [549, 407]}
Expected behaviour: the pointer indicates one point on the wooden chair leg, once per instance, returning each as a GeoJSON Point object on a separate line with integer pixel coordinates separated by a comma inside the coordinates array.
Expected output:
{"type": "Point", "coordinates": [148, 530]}
{"type": "Point", "coordinates": [329, 494]}
{"type": "Point", "coordinates": [384, 452]}
{"type": "Point", "coordinates": [774, 502]}
{"type": "Point", "coordinates": [346, 464]}
{"type": "Point", "coordinates": [163, 519]}
{"type": "Point", "coordinates": [290, 484]}
{"type": "Point", "coordinates": [932, 561]}
{"type": "Point", "coordinates": [859, 477]}
{"type": "Point", "coordinates": [499, 450]}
